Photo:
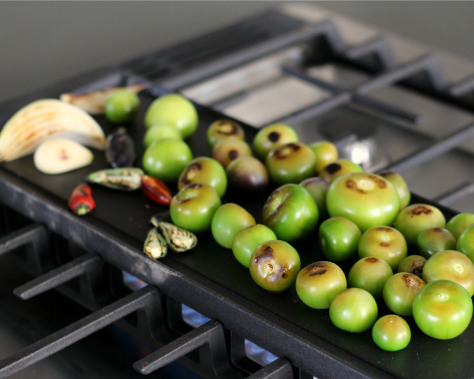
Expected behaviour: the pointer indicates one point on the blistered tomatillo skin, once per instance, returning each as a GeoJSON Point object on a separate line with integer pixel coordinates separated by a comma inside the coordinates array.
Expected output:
{"type": "Point", "coordinates": [274, 265]}
{"type": "Point", "coordinates": [417, 217]}
{"type": "Point", "coordinates": [319, 283]}
{"type": "Point", "coordinates": [450, 265]}
{"type": "Point", "coordinates": [338, 168]}
{"type": "Point", "coordinates": [165, 159]}
{"type": "Point", "coordinates": [413, 264]}
{"type": "Point", "coordinates": [222, 129]}
{"type": "Point", "coordinates": [226, 150]}
{"type": "Point", "coordinates": [338, 238]}
{"type": "Point", "coordinates": [247, 240]}
{"type": "Point", "coordinates": [353, 310]}
{"type": "Point", "coordinates": [443, 309]}
{"type": "Point", "coordinates": [290, 163]}
{"type": "Point", "coordinates": [228, 220]}
{"type": "Point", "coordinates": [204, 170]}
{"type": "Point", "coordinates": [290, 212]}
{"type": "Point", "coordinates": [391, 333]}
{"type": "Point", "coordinates": [433, 240]}
{"type": "Point", "coordinates": [400, 291]}
{"type": "Point", "coordinates": [173, 110]}
{"type": "Point", "coordinates": [272, 136]}
{"type": "Point", "coordinates": [193, 207]}
{"type": "Point", "coordinates": [383, 242]}
{"type": "Point", "coordinates": [366, 199]}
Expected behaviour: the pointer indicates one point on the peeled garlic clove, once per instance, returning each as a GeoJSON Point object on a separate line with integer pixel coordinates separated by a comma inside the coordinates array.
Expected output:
{"type": "Point", "coordinates": [59, 155]}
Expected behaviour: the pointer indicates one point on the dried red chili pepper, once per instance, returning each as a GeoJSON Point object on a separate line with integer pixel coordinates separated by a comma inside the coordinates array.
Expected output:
{"type": "Point", "coordinates": [81, 200]}
{"type": "Point", "coordinates": [156, 190]}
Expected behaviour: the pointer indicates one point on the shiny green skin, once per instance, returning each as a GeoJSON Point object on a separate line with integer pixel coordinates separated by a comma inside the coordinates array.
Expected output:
{"type": "Point", "coordinates": [413, 264]}
{"type": "Point", "coordinates": [450, 265]}
{"type": "Point", "coordinates": [383, 242]}
{"type": "Point", "coordinates": [433, 240]}
{"type": "Point", "coordinates": [228, 220]}
{"type": "Point", "coordinates": [443, 309]}
{"type": "Point", "coordinates": [271, 137]}
{"type": "Point", "coordinates": [458, 223]}
{"type": "Point", "coordinates": [400, 185]}
{"type": "Point", "coordinates": [121, 106]}
{"type": "Point", "coordinates": [160, 131]}
{"type": "Point", "coordinates": [222, 129]}
{"type": "Point", "coordinates": [417, 217]}
{"type": "Point", "coordinates": [338, 238]}
{"type": "Point", "coordinates": [366, 199]}
{"type": "Point", "coordinates": [173, 110]}
{"type": "Point", "coordinates": [193, 207]}
{"type": "Point", "coordinates": [353, 310]}
{"type": "Point", "coordinates": [319, 283]}
{"type": "Point", "coordinates": [338, 168]}
{"type": "Point", "coordinates": [274, 265]}
{"type": "Point", "coordinates": [391, 333]}
{"type": "Point", "coordinates": [465, 243]}
{"type": "Point", "coordinates": [204, 170]}
{"type": "Point", "coordinates": [247, 240]}
{"type": "Point", "coordinates": [290, 163]}
{"type": "Point", "coordinates": [370, 274]}
{"type": "Point", "coordinates": [229, 149]}
{"type": "Point", "coordinates": [290, 212]}
{"type": "Point", "coordinates": [400, 291]}
{"type": "Point", "coordinates": [165, 159]}
{"type": "Point", "coordinates": [318, 189]}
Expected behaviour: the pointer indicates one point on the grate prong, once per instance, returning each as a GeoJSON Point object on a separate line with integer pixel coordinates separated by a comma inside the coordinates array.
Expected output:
{"type": "Point", "coordinates": [449, 198]}
{"type": "Point", "coordinates": [58, 276]}
{"type": "Point", "coordinates": [279, 369]}
{"type": "Point", "coordinates": [210, 333]}
{"type": "Point", "coordinates": [30, 234]}
{"type": "Point", "coordinates": [77, 331]}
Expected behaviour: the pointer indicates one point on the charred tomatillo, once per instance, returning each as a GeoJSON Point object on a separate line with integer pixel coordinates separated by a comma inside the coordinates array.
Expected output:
{"type": "Point", "coordinates": [193, 207]}
{"type": "Point", "coordinates": [338, 168]}
{"type": "Point", "coordinates": [465, 243]}
{"type": "Point", "coordinates": [325, 153]}
{"type": "Point", "coordinates": [366, 199]}
{"type": "Point", "coordinates": [204, 170]}
{"type": "Point", "coordinates": [272, 136]}
{"type": "Point", "coordinates": [458, 223]}
{"type": "Point", "coordinates": [228, 220]}
{"type": "Point", "coordinates": [274, 265]}
{"type": "Point", "coordinates": [400, 185]}
{"type": "Point", "coordinates": [290, 212]}
{"type": "Point", "coordinates": [222, 129]}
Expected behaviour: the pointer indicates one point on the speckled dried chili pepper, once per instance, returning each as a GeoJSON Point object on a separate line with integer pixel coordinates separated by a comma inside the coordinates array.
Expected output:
{"type": "Point", "coordinates": [156, 190]}
{"type": "Point", "coordinates": [81, 201]}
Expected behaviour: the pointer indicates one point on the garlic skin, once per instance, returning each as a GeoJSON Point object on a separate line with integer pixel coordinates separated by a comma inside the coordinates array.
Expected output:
{"type": "Point", "coordinates": [60, 155]}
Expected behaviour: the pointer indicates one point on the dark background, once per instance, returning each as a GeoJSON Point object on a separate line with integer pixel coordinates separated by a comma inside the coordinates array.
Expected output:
{"type": "Point", "coordinates": [43, 42]}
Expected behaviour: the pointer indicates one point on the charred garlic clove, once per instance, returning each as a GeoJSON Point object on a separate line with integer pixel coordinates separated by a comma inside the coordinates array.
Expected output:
{"type": "Point", "coordinates": [179, 240]}
{"type": "Point", "coordinates": [155, 245]}
{"type": "Point", "coordinates": [124, 179]}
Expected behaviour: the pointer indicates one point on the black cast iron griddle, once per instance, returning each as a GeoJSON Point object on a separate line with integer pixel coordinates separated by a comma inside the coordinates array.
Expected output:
{"type": "Point", "coordinates": [208, 278]}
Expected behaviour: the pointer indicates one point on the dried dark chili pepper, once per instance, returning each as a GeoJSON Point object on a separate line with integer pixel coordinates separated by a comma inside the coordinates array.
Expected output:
{"type": "Point", "coordinates": [124, 179]}
{"type": "Point", "coordinates": [120, 149]}
{"type": "Point", "coordinates": [81, 201]}
{"type": "Point", "coordinates": [156, 190]}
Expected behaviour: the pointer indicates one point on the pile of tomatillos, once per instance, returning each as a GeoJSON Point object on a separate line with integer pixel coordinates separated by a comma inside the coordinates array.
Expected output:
{"type": "Point", "coordinates": [351, 211]}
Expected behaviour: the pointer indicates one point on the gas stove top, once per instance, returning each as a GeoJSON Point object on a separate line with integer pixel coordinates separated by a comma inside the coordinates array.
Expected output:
{"type": "Point", "coordinates": [387, 103]}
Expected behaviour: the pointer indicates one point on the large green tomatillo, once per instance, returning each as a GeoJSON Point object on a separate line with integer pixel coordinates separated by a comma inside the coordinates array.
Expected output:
{"type": "Point", "coordinates": [291, 212]}
{"type": "Point", "coordinates": [366, 199]}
